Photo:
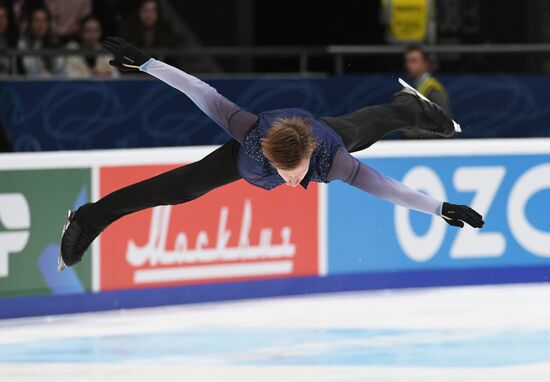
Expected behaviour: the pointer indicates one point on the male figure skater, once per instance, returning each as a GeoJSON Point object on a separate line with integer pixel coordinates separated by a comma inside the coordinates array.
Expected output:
{"type": "Point", "coordinates": [286, 146]}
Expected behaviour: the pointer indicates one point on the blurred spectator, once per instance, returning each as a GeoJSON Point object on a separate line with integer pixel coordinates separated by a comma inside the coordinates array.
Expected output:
{"type": "Point", "coordinates": [84, 66]}
{"type": "Point", "coordinates": [39, 36]}
{"type": "Point", "coordinates": [67, 15]}
{"type": "Point", "coordinates": [418, 66]}
{"type": "Point", "coordinates": [146, 29]}
{"type": "Point", "coordinates": [156, 26]}
{"type": "Point", "coordinates": [8, 38]}
{"type": "Point", "coordinates": [22, 10]}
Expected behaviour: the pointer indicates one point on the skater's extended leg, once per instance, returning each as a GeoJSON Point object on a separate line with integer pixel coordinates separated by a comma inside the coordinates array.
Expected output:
{"type": "Point", "coordinates": [177, 186]}
{"type": "Point", "coordinates": [363, 127]}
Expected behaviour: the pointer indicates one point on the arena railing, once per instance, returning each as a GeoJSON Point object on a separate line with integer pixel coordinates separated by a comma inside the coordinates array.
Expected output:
{"type": "Point", "coordinates": [303, 54]}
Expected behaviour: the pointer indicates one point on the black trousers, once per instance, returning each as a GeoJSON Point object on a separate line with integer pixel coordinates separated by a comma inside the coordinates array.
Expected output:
{"type": "Point", "coordinates": [358, 130]}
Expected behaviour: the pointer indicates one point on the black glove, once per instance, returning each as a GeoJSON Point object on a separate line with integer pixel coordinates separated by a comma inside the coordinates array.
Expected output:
{"type": "Point", "coordinates": [456, 215]}
{"type": "Point", "coordinates": [127, 56]}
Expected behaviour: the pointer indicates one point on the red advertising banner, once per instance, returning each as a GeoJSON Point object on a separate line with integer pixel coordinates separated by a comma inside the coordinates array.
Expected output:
{"type": "Point", "coordinates": [237, 232]}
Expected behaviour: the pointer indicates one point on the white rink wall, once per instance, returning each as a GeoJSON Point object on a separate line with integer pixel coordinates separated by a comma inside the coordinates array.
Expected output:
{"type": "Point", "coordinates": [243, 242]}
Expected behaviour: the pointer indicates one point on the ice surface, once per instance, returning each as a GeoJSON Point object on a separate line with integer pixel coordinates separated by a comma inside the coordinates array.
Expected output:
{"type": "Point", "coordinates": [492, 333]}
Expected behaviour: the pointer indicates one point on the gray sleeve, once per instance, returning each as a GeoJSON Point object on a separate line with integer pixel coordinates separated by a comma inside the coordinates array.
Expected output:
{"type": "Point", "coordinates": [350, 170]}
{"type": "Point", "coordinates": [225, 113]}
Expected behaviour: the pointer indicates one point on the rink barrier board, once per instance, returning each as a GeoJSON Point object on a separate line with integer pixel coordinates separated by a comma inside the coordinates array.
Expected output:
{"type": "Point", "coordinates": [76, 296]}
{"type": "Point", "coordinates": [12, 307]}
{"type": "Point", "coordinates": [128, 113]}
{"type": "Point", "coordinates": [511, 191]}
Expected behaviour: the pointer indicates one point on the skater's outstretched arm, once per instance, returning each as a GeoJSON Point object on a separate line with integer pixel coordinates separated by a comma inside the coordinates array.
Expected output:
{"type": "Point", "coordinates": [225, 113]}
{"type": "Point", "coordinates": [350, 170]}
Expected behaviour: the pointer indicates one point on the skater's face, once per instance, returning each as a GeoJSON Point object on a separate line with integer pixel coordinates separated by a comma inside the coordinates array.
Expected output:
{"type": "Point", "coordinates": [294, 177]}
{"type": "Point", "coordinates": [415, 63]}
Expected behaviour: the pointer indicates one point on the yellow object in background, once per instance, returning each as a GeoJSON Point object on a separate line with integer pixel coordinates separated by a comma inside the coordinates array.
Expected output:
{"type": "Point", "coordinates": [430, 84]}
{"type": "Point", "coordinates": [408, 19]}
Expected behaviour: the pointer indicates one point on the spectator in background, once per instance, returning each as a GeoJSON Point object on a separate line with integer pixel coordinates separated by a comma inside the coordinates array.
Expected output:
{"type": "Point", "coordinates": [418, 66]}
{"type": "Point", "coordinates": [85, 66]}
{"type": "Point", "coordinates": [21, 10]}
{"type": "Point", "coordinates": [8, 38]}
{"type": "Point", "coordinates": [66, 16]}
{"type": "Point", "coordinates": [39, 36]}
{"type": "Point", "coordinates": [146, 29]}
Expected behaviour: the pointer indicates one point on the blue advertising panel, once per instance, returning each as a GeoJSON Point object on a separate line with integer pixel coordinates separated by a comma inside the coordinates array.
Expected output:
{"type": "Point", "coordinates": [511, 191]}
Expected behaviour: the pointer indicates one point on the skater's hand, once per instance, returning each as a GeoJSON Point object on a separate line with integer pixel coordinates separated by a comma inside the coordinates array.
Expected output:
{"type": "Point", "coordinates": [457, 215]}
{"type": "Point", "coordinates": [127, 56]}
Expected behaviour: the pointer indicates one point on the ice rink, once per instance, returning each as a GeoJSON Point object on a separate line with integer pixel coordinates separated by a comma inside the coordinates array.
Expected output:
{"type": "Point", "coordinates": [489, 333]}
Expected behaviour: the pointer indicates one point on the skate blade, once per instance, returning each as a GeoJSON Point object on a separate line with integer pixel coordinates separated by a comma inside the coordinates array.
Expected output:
{"type": "Point", "coordinates": [60, 263]}
{"type": "Point", "coordinates": [403, 83]}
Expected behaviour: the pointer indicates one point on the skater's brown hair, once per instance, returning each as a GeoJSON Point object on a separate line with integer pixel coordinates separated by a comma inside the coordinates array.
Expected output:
{"type": "Point", "coordinates": [288, 142]}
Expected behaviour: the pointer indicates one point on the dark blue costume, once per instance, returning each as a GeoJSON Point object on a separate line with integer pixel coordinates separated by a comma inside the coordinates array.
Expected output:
{"type": "Point", "coordinates": [256, 169]}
